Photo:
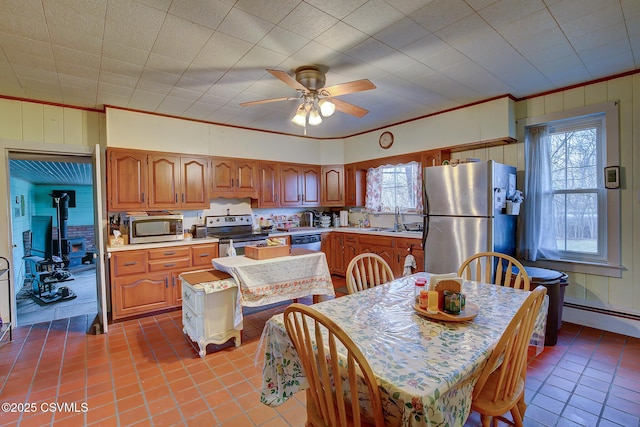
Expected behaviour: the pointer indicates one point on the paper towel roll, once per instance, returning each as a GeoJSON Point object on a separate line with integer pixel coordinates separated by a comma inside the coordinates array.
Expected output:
{"type": "Point", "coordinates": [344, 218]}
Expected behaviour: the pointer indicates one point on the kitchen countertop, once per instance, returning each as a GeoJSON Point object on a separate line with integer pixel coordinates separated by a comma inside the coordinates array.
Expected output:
{"type": "Point", "coordinates": [183, 242]}
{"type": "Point", "coordinates": [358, 230]}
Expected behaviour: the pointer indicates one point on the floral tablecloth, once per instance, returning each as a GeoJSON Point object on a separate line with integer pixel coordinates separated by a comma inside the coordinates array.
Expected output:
{"type": "Point", "coordinates": [426, 369]}
{"type": "Point", "coordinates": [279, 279]}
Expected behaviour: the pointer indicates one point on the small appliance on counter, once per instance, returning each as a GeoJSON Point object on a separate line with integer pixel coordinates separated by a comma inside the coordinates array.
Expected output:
{"type": "Point", "coordinates": [199, 231]}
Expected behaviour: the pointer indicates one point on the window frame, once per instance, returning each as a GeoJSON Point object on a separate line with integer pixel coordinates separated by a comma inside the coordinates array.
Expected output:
{"type": "Point", "coordinates": [610, 265]}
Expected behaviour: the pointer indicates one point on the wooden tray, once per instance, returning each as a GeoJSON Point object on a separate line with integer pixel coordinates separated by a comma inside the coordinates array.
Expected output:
{"type": "Point", "coordinates": [470, 311]}
{"type": "Point", "coordinates": [266, 252]}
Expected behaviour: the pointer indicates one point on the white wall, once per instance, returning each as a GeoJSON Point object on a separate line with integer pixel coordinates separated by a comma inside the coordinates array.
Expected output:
{"type": "Point", "coordinates": [481, 122]}
{"type": "Point", "coordinates": [127, 129]}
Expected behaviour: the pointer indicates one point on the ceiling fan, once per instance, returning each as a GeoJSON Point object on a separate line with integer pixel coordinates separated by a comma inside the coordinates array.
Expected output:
{"type": "Point", "coordinates": [317, 100]}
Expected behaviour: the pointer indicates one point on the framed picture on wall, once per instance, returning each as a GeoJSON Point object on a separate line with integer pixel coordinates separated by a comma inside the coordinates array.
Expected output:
{"type": "Point", "coordinates": [612, 177]}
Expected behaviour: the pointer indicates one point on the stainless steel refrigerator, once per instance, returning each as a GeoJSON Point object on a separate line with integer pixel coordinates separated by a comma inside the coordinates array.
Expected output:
{"type": "Point", "coordinates": [464, 213]}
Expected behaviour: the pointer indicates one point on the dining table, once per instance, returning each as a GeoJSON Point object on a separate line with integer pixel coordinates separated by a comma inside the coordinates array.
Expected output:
{"type": "Point", "coordinates": [425, 368]}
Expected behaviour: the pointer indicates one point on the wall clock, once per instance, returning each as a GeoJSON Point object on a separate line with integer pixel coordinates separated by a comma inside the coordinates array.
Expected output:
{"type": "Point", "coordinates": [385, 140]}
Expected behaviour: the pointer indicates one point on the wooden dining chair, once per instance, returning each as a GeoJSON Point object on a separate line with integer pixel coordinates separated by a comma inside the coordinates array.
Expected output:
{"type": "Point", "coordinates": [329, 403]}
{"type": "Point", "coordinates": [366, 271]}
{"type": "Point", "coordinates": [500, 386]}
{"type": "Point", "coordinates": [496, 268]}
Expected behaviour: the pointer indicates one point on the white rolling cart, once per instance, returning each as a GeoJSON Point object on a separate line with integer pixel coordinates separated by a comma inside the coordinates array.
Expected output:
{"type": "Point", "coordinates": [209, 308]}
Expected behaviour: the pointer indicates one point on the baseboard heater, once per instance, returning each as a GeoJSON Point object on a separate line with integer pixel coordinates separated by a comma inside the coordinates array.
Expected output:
{"type": "Point", "coordinates": [603, 311]}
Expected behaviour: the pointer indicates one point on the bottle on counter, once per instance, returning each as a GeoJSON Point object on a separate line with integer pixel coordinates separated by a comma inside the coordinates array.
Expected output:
{"type": "Point", "coordinates": [419, 285]}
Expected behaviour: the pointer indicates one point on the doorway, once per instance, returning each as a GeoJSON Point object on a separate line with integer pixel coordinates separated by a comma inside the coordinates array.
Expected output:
{"type": "Point", "coordinates": [53, 228]}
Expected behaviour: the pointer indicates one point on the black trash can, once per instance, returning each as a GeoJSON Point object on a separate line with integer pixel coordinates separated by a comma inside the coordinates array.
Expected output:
{"type": "Point", "coordinates": [555, 282]}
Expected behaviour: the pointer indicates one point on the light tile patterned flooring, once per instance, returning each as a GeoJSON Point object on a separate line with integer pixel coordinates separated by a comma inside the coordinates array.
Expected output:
{"type": "Point", "coordinates": [145, 373]}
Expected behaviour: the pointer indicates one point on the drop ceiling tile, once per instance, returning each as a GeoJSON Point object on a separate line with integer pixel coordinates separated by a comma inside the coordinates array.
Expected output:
{"type": "Point", "coordinates": [173, 106]}
{"type": "Point", "coordinates": [373, 16]}
{"type": "Point", "coordinates": [158, 76]}
{"type": "Point", "coordinates": [36, 73]}
{"type": "Point", "coordinates": [199, 110]}
{"type": "Point", "coordinates": [337, 9]}
{"type": "Point", "coordinates": [472, 37]}
{"type": "Point", "coordinates": [273, 11]}
{"type": "Point", "coordinates": [16, 47]}
{"type": "Point", "coordinates": [167, 64]}
{"type": "Point", "coordinates": [308, 21]}
{"type": "Point", "coordinates": [70, 57]}
{"type": "Point", "coordinates": [256, 60]}
{"type": "Point", "coordinates": [24, 19]}
{"type": "Point", "coordinates": [181, 39]}
{"type": "Point", "coordinates": [606, 17]}
{"type": "Point", "coordinates": [413, 72]}
{"type": "Point", "coordinates": [341, 37]}
{"type": "Point", "coordinates": [194, 85]}
{"type": "Point", "coordinates": [209, 13]}
{"type": "Point", "coordinates": [199, 77]}
{"type": "Point", "coordinates": [441, 13]}
{"type": "Point", "coordinates": [153, 87]}
{"type": "Point", "coordinates": [68, 81]}
{"type": "Point", "coordinates": [66, 68]}
{"type": "Point", "coordinates": [311, 53]}
{"type": "Point", "coordinates": [126, 69]}
{"type": "Point", "coordinates": [123, 53]}
{"type": "Point", "coordinates": [401, 33]}
{"type": "Point", "coordinates": [615, 35]}
{"type": "Point", "coordinates": [86, 16]}
{"type": "Point", "coordinates": [221, 52]}
{"type": "Point", "coordinates": [407, 7]}
{"type": "Point", "coordinates": [158, 4]}
{"type": "Point", "coordinates": [504, 12]}
{"type": "Point", "coordinates": [283, 41]}
{"type": "Point", "coordinates": [244, 26]}
{"type": "Point", "coordinates": [118, 80]}
{"type": "Point", "coordinates": [115, 89]}
{"type": "Point", "coordinates": [132, 24]}
{"type": "Point", "coordinates": [370, 50]}
{"type": "Point", "coordinates": [222, 91]}
{"type": "Point", "coordinates": [190, 95]}
{"type": "Point", "coordinates": [146, 101]}
{"type": "Point", "coordinates": [434, 53]}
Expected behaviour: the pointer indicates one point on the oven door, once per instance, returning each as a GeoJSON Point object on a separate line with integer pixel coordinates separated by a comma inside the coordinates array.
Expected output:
{"type": "Point", "coordinates": [238, 245]}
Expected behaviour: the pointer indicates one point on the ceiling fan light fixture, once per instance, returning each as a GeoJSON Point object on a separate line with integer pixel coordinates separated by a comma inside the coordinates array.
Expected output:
{"type": "Point", "coordinates": [314, 117]}
{"type": "Point", "coordinates": [300, 118]}
{"type": "Point", "coordinates": [327, 108]}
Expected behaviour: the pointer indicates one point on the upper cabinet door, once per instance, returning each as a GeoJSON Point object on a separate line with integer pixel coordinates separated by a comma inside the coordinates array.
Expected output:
{"type": "Point", "coordinates": [164, 181]}
{"type": "Point", "coordinates": [234, 178]}
{"type": "Point", "coordinates": [222, 177]}
{"type": "Point", "coordinates": [269, 185]}
{"type": "Point", "coordinates": [356, 185]}
{"type": "Point", "coordinates": [195, 182]}
{"type": "Point", "coordinates": [127, 180]}
{"type": "Point", "coordinates": [311, 185]}
{"type": "Point", "coordinates": [332, 186]}
{"type": "Point", "coordinates": [290, 185]}
{"type": "Point", "coordinates": [246, 178]}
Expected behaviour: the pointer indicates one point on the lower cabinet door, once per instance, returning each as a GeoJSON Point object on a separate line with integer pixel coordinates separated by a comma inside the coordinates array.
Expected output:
{"type": "Point", "coordinates": [141, 294]}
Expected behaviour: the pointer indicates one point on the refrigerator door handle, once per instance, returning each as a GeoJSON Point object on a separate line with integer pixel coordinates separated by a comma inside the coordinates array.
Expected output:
{"type": "Point", "coordinates": [425, 230]}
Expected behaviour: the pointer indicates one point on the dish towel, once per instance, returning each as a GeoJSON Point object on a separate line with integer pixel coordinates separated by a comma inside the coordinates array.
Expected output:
{"type": "Point", "coordinates": [409, 263]}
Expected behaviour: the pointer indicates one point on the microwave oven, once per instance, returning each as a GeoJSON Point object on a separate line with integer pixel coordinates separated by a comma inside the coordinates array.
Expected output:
{"type": "Point", "coordinates": [155, 228]}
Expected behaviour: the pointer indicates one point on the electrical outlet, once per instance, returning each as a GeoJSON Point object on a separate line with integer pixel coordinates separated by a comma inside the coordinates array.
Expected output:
{"type": "Point", "coordinates": [200, 217]}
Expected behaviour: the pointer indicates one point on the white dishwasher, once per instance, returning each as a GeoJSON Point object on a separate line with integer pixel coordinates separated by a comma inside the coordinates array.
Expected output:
{"type": "Point", "coordinates": [306, 241]}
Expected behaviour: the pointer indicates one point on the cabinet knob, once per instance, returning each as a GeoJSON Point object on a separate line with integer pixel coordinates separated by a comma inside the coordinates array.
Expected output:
{"type": "Point", "coordinates": [172, 264]}
{"type": "Point", "coordinates": [130, 263]}
{"type": "Point", "coordinates": [203, 255]}
{"type": "Point", "coordinates": [170, 253]}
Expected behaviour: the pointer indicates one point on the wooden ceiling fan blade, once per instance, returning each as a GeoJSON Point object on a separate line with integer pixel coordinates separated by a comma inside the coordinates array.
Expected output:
{"type": "Point", "coordinates": [345, 107]}
{"type": "Point", "coordinates": [349, 87]}
{"type": "Point", "coordinates": [286, 78]}
{"type": "Point", "coordinates": [265, 101]}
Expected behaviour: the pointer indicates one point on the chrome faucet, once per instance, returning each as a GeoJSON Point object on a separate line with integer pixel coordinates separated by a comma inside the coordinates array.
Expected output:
{"type": "Point", "coordinates": [396, 223]}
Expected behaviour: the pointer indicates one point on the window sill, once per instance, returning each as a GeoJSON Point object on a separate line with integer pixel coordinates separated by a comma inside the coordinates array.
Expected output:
{"type": "Point", "coordinates": [580, 267]}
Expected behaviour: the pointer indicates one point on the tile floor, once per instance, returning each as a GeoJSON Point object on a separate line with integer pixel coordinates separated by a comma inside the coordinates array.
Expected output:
{"type": "Point", "coordinates": [145, 373]}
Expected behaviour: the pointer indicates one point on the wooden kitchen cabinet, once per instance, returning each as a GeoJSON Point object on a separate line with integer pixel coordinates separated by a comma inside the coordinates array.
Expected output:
{"type": "Point", "coordinates": [332, 185]}
{"type": "Point", "coordinates": [147, 281]}
{"type": "Point", "coordinates": [299, 185]}
{"type": "Point", "coordinates": [332, 244]}
{"type": "Point", "coordinates": [351, 248]}
{"type": "Point", "coordinates": [400, 251]}
{"type": "Point", "coordinates": [234, 178]}
{"type": "Point", "coordinates": [355, 185]}
{"type": "Point", "coordinates": [434, 157]}
{"type": "Point", "coordinates": [140, 180]}
{"type": "Point", "coordinates": [380, 245]}
{"type": "Point", "coordinates": [127, 180]}
{"type": "Point", "coordinates": [269, 185]}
